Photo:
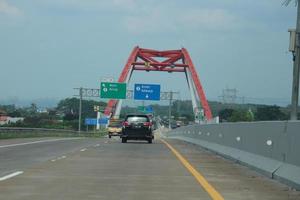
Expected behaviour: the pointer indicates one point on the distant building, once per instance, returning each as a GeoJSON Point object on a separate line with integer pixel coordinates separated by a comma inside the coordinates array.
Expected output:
{"type": "Point", "coordinates": [9, 120]}
{"type": "Point", "coordinates": [2, 113]}
{"type": "Point", "coordinates": [5, 119]}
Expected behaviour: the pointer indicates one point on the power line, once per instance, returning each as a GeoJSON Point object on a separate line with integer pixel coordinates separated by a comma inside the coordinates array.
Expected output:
{"type": "Point", "coordinates": [229, 95]}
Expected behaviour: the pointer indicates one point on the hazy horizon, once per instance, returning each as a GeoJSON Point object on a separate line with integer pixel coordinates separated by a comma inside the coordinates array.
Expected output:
{"type": "Point", "coordinates": [50, 47]}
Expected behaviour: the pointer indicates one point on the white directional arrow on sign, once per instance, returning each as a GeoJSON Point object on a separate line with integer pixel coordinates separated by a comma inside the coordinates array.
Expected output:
{"type": "Point", "coordinates": [147, 96]}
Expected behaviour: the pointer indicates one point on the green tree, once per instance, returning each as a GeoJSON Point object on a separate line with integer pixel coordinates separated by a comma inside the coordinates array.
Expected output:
{"type": "Point", "coordinates": [70, 107]}
{"type": "Point", "coordinates": [250, 115]}
{"type": "Point", "coordinates": [225, 114]}
{"type": "Point", "coordinates": [241, 116]}
{"type": "Point", "coordinates": [270, 113]}
{"type": "Point", "coordinates": [33, 108]}
{"type": "Point", "coordinates": [15, 113]}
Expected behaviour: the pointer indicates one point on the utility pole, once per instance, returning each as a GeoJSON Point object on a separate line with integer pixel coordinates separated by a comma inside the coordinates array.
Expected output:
{"type": "Point", "coordinates": [296, 59]}
{"type": "Point", "coordinates": [170, 106]}
{"type": "Point", "coordinates": [80, 108]}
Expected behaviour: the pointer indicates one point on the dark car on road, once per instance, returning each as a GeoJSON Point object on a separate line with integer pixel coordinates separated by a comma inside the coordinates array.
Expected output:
{"type": "Point", "coordinates": [137, 127]}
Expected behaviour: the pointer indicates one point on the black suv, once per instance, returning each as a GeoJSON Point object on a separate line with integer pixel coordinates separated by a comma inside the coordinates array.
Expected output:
{"type": "Point", "coordinates": [137, 127]}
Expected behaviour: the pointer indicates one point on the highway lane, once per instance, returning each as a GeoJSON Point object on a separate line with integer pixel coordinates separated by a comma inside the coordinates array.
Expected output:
{"type": "Point", "coordinates": [137, 170]}
{"type": "Point", "coordinates": [19, 154]}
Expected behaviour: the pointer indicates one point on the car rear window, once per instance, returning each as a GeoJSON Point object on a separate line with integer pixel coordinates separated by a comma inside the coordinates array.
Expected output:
{"type": "Point", "coordinates": [115, 124]}
{"type": "Point", "coordinates": [137, 119]}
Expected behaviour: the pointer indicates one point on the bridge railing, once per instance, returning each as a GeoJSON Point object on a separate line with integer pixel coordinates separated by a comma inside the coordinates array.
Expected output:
{"type": "Point", "coordinates": [272, 148]}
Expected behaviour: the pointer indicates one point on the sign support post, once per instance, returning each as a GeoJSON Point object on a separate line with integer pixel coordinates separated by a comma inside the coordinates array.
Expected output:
{"type": "Point", "coordinates": [80, 109]}
{"type": "Point", "coordinates": [170, 107]}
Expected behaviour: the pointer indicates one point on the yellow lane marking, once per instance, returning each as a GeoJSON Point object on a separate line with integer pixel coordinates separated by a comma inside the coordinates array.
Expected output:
{"type": "Point", "coordinates": [213, 193]}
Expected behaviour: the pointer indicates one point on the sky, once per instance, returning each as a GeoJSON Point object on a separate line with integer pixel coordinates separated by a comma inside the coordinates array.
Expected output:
{"type": "Point", "coordinates": [49, 47]}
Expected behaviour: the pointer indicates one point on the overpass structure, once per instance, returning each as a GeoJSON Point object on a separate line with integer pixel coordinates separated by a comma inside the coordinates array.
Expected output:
{"type": "Point", "coordinates": [164, 61]}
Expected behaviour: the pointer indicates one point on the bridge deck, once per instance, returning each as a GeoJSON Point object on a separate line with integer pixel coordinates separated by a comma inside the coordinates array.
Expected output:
{"type": "Point", "coordinates": [136, 170]}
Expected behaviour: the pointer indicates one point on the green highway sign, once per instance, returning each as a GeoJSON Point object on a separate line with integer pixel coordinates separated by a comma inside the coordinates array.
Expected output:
{"type": "Point", "coordinates": [145, 109]}
{"type": "Point", "coordinates": [141, 108]}
{"type": "Point", "coordinates": [110, 90]}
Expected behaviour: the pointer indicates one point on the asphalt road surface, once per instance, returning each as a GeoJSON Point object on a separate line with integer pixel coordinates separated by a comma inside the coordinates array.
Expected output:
{"type": "Point", "coordinates": [107, 169]}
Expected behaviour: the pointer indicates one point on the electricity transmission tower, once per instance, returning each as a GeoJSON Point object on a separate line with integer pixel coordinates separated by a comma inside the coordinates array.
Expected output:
{"type": "Point", "coordinates": [229, 96]}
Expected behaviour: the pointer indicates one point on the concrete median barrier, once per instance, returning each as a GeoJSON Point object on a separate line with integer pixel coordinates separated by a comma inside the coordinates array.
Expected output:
{"type": "Point", "coordinates": [272, 148]}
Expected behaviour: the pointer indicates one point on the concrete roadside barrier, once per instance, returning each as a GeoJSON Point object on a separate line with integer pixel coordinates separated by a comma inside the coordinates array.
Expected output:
{"type": "Point", "coordinates": [272, 148]}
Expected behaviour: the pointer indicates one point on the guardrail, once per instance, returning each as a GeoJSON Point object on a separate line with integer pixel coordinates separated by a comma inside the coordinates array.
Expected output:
{"type": "Point", "coordinates": [21, 129]}
{"type": "Point", "coordinates": [272, 148]}
{"type": "Point", "coordinates": [19, 132]}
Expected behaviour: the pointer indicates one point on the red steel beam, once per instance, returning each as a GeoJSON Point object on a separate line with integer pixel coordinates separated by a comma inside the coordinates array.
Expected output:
{"type": "Point", "coordinates": [146, 58]}
{"type": "Point", "coordinates": [173, 59]}
{"type": "Point", "coordinates": [199, 89]}
{"type": "Point", "coordinates": [160, 70]}
{"type": "Point", "coordinates": [168, 65]}
{"type": "Point", "coordinates": [161, 64]}
{"type": "Point", "coordinates": [154, 53]}
{"type": "Point", "coordinates": [132, 58]}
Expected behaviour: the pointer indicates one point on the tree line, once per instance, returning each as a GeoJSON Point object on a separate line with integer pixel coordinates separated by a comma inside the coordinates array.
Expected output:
{"type": "Point", "coordinates": [65, 114]}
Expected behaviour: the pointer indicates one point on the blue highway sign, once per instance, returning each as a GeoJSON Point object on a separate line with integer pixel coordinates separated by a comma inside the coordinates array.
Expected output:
{"type": "Point", "coordinates": [90, 121]}
{"type": "Point", "coordinates": [147, 92]}
{"type": "Point", "coordinates": [103, 120]}
{"type": "Point", "coordinates": [149, 109]}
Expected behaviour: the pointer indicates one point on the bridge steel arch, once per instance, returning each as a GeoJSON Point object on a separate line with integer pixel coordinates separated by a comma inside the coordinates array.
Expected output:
{"type": "Point", "coordinates": [173, 61]}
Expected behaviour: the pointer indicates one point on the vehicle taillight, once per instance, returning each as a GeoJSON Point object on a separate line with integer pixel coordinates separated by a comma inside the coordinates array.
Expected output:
{"type": "Point", "coordinates": [125, 123]}
{"type": "Point", "coordinates": [147, 124]}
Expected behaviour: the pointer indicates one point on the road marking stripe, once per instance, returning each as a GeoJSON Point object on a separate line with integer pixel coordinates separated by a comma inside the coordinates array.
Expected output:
{"type": "Point", "coordinates": [83, 149]}
{"type": "Point", "coordinates": [11, 175]}
{"type": "Point", "coordinates": [35, 142]}
{"type": "Point", "coordinates": [62, 157]}
{"type": "Point", "coordinates": [213, 193]}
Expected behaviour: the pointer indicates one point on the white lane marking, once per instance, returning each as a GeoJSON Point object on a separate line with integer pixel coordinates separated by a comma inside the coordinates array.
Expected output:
{"type": "Point", "coordinates": [62, 157]}
{"type": "Point", "coordinates": [59, 158]}
{"type": "Point", "coordinates": [35, 142]}
{"type": "Point", "coordinates": [11, 175]}
{"type": "Point", "coordinates": [83, 149]}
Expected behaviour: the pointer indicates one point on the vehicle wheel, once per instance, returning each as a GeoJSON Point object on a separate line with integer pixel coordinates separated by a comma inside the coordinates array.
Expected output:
{"type": "Point", "coordinates": [124, 140]}
{"type": "Point", "coordinates": [150, 141]}
{"type": "Point", "coordinates": [109, 136]}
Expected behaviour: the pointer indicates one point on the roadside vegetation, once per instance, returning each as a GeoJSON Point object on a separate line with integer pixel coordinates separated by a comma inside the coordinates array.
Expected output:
{"type": "Point", "coordinates": [49, 133]}
{"type": "Point", "coordinates": [61, 121]}
{"type": "Point", "coordinates": [183, 111]}
{"type": "Point", "coordinates": [65, 115]}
